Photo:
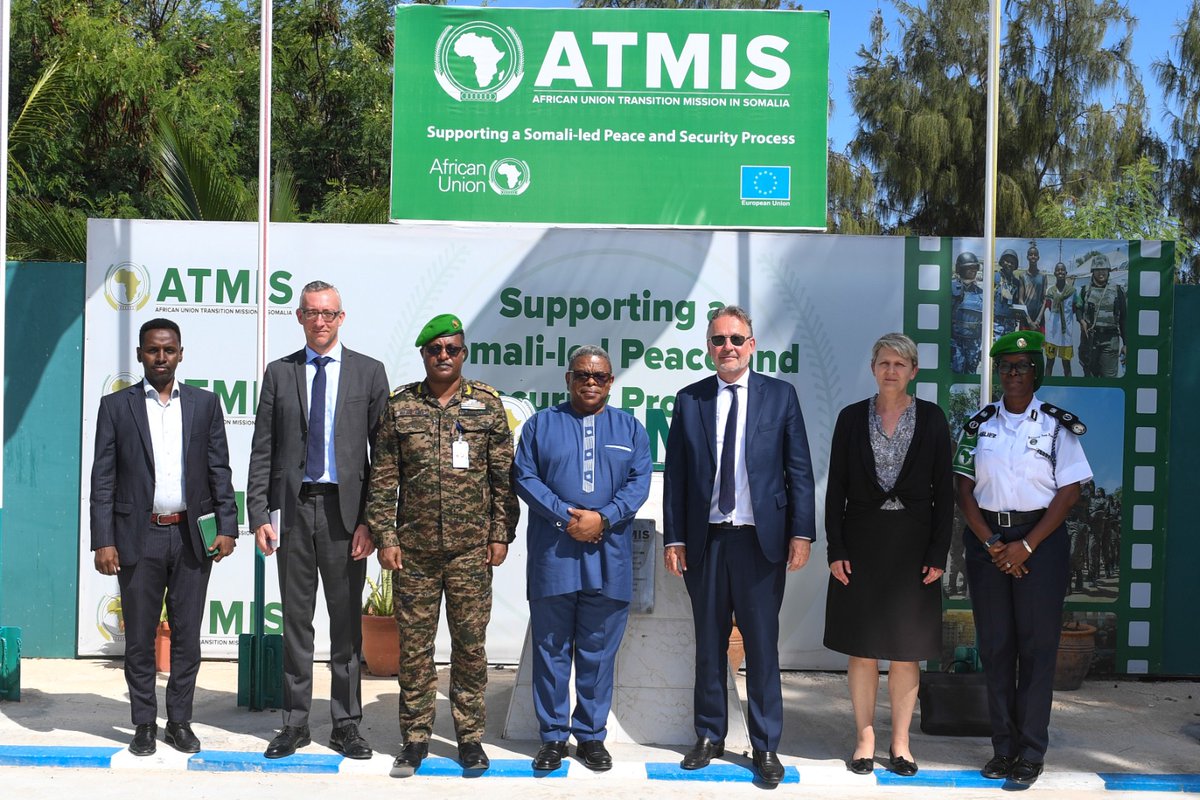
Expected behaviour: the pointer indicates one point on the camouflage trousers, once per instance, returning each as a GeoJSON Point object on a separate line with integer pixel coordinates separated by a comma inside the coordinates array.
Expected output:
{"type": "Point", "coordinates": [466, 581]}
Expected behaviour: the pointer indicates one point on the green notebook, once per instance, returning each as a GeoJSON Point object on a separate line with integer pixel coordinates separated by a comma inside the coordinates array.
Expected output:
{"type": "Point", "coordinates": [208, 532]}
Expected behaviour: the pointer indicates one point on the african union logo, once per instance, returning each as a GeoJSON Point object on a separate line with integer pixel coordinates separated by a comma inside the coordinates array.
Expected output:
{"type": "Point", "coordinates": [517, 410]}
{"type": "Point", "coordinates": [479, 61]}
{"type": "Point", "coordinates": [115, 383]}
{"type": "Point", "coordinates": [127, 286]}
{"type": "Point", "coordinates": [766, 183]}
{"type": "Point", "coordinates": [509, 176]}
{"type": "Point", "coordinates": [109, 619]}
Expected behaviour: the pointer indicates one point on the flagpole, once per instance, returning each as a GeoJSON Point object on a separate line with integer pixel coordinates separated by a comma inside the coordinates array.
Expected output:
{"type": "Point", "coordinates": [989, 200]}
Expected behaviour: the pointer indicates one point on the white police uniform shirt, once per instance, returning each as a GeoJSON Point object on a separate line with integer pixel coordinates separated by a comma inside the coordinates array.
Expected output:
{"type": "Point", "coordinates": [1020, 461]}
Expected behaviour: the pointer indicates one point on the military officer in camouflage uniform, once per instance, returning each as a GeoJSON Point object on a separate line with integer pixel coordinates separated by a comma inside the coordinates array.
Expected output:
{"type": "Point", "coordinates": [442, 513]}
{"type": "Point", "coordinates": [1080, 530]}
{"type": "Point", "coordinates": [1101, 309]}
{"type": "Point", "coordinates": [966, 314]}
{"type": "Point", "coordinates": [1098, 521]}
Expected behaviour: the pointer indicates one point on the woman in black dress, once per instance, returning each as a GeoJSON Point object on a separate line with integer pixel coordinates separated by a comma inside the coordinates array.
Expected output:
{"type": "Point", "coordinates": [889, 508]}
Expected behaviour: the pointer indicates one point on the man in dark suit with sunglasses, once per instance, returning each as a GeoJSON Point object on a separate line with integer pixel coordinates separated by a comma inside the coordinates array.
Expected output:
{"type": "Point", "coordinates": [442, 512]}
{"type": "Point", "coordinates": [317, 415]}
{"type": "Point", "coordinates": [738, 511]}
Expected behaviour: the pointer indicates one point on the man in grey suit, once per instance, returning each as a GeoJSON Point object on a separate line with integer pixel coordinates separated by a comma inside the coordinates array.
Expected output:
{"type": "Point", "coordinates": [161, 463]}
{"type": "Point", "coordinates": [317, 413]}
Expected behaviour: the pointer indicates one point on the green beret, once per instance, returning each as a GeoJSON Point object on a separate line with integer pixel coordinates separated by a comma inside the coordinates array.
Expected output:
{"type": "Point", "coordinates": [1018, 342]}
{"type": "Point", "coordinates": [441, 325]}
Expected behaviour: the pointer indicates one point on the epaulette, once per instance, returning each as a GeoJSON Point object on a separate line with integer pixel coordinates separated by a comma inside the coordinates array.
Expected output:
{"type": "Point", "coordinates": [403, 388]}
{"type": "Point", "coordinates": [984, 414]}
{"type": "Point", "coordinates": [492, 390]}
{"type": "Point", "coordinates": [1070, 421]}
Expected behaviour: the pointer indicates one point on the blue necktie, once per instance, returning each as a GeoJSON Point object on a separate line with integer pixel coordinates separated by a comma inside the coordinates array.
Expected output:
{"type": "Point", "coordinates": [725, 499]}
{"type": "Point", "coordinates": [314, 464]}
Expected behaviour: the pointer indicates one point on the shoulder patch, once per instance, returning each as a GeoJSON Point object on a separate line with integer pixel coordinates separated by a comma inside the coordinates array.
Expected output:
{"type": "Point", "coordinates": [484, 387]}
{"type": "Point", "coordinates": [403, 388]}
{"type": "Point", "coordinates": [1069, 420]}
{"type": "Point", "coordinates": [983, 415]}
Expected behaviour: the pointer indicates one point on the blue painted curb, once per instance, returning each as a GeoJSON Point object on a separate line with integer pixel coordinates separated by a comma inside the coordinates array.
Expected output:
{"type": "Point", "coordinates": [1127, 782]}
{"type": "Point", "coordinates": [16, 755]}
{"type": "Point", "coordinates": [943, 778]}
{"type": "Point", "coordinates": [713, 773]}
{"type": "Point", "coordinates": [500, 768]}
{"type": "Point", "coordinates": [233, 761]}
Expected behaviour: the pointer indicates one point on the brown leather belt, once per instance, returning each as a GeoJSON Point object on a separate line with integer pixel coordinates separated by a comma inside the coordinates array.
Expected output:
{"type": "Point", "coordinates": [176, 518]}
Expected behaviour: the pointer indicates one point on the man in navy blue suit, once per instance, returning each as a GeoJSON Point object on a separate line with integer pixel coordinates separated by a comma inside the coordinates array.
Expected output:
{"type": "Point", "coordinates": [738, 510]}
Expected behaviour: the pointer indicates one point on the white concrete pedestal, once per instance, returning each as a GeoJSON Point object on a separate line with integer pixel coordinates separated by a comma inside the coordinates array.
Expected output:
{"type": "Point", "coordinates": [655, 673]}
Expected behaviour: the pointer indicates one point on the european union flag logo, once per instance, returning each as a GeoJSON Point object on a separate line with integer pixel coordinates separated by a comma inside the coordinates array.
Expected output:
{"type": "Point", "coordinates": [766, 183]}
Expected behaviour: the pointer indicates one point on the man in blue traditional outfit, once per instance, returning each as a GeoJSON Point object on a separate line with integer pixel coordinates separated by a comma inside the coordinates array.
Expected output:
{"type": "Point", "coordinates": [584, 469]}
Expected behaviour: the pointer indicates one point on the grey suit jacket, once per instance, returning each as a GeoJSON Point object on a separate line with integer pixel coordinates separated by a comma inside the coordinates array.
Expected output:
{"type": "Point", "coordinates": [122, 496]}
{"type": "Point", "coordinates": [279, 451]}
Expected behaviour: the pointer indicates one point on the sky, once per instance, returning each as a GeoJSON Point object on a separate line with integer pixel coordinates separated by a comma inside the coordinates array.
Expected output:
{"type": "Point", "coordinates": [849, 22]}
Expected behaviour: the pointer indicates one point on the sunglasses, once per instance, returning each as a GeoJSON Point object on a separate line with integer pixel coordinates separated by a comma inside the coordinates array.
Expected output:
{"type": "Point", "coordinates": [737, 340]}
{"type": "Point", "coordinates": [1020, 368]}
{"type": "Point", "coordinates": [312, 313]}
{"type": "Point", "coordinates": [583, 377]}
{"type": "Point", "coordinates": [452, 350]}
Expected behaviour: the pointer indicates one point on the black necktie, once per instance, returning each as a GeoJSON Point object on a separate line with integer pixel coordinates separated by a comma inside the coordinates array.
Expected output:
{"type": "Point", "coordinates": [314, 464]}
{"type": "Point", "coordinates": [725, 500]}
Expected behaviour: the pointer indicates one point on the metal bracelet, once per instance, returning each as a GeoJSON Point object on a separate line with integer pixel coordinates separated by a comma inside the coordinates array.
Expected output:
{"type": "Point", "coordinates": [1027, 546]}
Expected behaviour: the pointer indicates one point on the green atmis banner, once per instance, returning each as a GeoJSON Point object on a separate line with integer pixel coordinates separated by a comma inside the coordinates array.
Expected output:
{"type": "Point", "coordinates": [611, 117]}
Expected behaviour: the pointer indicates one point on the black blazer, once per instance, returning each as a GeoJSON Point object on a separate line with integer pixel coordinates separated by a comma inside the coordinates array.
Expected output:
{"type": "Point", "coordinates": [925, 485]}
{"type": "Point", "coordinates": [122, 496]}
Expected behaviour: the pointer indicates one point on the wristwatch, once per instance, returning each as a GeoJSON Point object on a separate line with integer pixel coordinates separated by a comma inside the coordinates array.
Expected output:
{"type": "Point", "coordinates": [604, 522]}
{"type": "Point", "coordinates": [992, 540]}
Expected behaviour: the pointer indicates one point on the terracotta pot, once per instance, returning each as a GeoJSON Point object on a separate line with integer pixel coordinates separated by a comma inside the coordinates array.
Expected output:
{"type": "Point", "coordinates": [162, 647]}
{"type": "Point", "coordinates": [737, 649]}
{"type": "Point", "coordinates": [381, 645]}
{"type": "Point", "coordinates": [1075, 649]}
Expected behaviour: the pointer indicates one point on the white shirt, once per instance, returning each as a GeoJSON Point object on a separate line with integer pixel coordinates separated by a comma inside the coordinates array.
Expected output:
{"type": "Point", "coordinates": [333, 373]}
{"type": "Point", "coordinates": [166, 444]}
{"type": "Point", "coordinates": [743, 509]}
{"type": "Point", "coordinates": [1012, 460]}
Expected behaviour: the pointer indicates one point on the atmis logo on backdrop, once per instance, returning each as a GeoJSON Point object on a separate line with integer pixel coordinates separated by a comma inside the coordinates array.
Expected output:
{"type": "Point", "coordinates": [127, 286]}
{"type": "Point", "coordinates": [109, 619]}
{"type": "Point", "coordinates": [479, 62]}
{"type": "Point", "coordinates": [115, 383]}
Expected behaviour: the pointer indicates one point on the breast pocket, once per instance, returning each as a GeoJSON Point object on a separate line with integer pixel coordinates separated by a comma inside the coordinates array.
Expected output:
{"type": "Point", "coordinates": [413, 425]}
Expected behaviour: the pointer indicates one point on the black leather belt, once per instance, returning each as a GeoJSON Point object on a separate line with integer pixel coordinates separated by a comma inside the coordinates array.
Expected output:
{"type": "Point", "coordinates": [728, 526]}
{"type": "Point", "coordinates": [1013, 519]}
{"type": "Point", "coordinates": [309, 489]}
{"type": "Point", "coordinates": [174, 518]}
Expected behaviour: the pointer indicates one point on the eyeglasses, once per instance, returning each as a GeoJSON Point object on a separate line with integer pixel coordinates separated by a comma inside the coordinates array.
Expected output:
{"type": "Point", "coordinates": [579, 376]}
{"type": "Point", "coordinates": [1018, 368]}
{"type": "Point", "coordinates": [312, 313]}
{"type": "Point", "coordinates": [452, 350]}
{"type": "Point", "coordinates": [737, 340]}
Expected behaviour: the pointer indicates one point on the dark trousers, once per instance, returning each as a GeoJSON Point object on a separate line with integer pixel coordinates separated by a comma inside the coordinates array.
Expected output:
{"type": "Point", "coordinates": [584, 628]}
{"type": "Point", "coordinates": [1018, 621]}
{"type": "Point", "coordinates": [318, 543]}
{"type": "Point", "coordinates": [735, 578]}
{"type": "Point", "coordinates": [167, 564]}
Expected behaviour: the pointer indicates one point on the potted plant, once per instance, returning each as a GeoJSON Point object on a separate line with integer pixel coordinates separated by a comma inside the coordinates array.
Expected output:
{"type": "Point", "coordinates": [1076, 646]}
{"type": "Point", "coordinates": [162, 641]}
{"type": "Point", "coordinates": [380, 633]}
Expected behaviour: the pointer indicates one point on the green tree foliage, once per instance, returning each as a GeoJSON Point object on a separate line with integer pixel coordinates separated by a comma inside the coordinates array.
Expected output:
{"type": "Point", "coordinates": [1179, 76]}
{"type": "Point", "coordinates": [922, 109]}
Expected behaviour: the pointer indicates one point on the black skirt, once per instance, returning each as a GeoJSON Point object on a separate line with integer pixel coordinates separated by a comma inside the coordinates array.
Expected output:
{"type": "Point", "coordinates": [886, 612]}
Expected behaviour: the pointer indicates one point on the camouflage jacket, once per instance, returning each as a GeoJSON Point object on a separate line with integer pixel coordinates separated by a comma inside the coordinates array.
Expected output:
{"type": "Point", "coordinates": [416, 498]}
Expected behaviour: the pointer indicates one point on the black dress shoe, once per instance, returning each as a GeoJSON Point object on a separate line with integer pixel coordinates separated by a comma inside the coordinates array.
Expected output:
{"type": "Point", "coordinates": [997, 768]}
{"type": "Point", "coordinates": [409, 760]}
{"type": "Point", "coordinates": [594, 755]}
{"type": "Point", "coordinates": [550, 756]}
{"type": "Point", "coordinates": [1025, 772]}
{"type": "Point", "coordinates": [287, 741]}
{"type": "Point", "coordinates": [472, 757]}
{"type": "Point", "coordinates": [179, 735]}
{"type": "Point", "coordinates": [768, 766]}
{"type": "Point", "coordinates": [349, 742]}
{"type": "Point", "coordinates": [144, 740]}
{"type": "Point", "coordinates": [704, 751]}
{"type": "Point", "coordinates": [901, 765]}
{"type": "Point", "coordinates": [862, 766]}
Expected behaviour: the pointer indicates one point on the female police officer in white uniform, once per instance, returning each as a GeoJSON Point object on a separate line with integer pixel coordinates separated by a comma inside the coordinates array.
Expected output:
{"type": "Point", "coordinates": [1017, 468]}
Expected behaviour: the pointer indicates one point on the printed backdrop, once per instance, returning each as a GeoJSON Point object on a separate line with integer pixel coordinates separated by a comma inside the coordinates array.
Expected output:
{"type": "Point", "coordinates": [527, 296]}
